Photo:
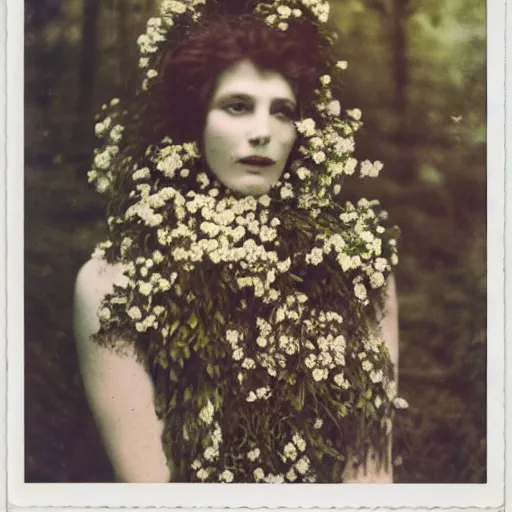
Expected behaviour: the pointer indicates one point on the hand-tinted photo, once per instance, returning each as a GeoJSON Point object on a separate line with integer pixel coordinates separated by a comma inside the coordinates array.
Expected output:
{"type": "Point", "coordinates": [255, 241]}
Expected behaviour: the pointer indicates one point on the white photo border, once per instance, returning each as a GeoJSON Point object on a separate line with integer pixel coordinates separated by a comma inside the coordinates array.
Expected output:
{"type": "Point", "coordinates": [487, 496]}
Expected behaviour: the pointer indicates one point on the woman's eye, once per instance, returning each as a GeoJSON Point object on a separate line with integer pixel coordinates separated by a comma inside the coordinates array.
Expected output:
{"type": "Point", "coordinates": [287, 113]}
{"type": "Point", "coordinates": [237, 108]}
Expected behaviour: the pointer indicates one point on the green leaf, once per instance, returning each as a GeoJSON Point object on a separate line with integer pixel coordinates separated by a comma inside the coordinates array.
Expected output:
{"type": "Point", "coordinates": [296, 277]}
{"type": "Point", "coordinates": [218, 316]}
{"type": "Point", "coordinates": [192, 320]}
{"type": "Point", "coordinates": [174, 326]}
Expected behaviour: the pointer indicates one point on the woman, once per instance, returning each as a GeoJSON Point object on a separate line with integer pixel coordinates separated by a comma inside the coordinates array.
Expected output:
{"type": "Point", "coordinates": [237, 326]}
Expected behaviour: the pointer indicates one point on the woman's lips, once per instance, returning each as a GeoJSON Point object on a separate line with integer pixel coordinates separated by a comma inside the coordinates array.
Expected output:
{"type": "Point", "coordinates": [258, 161]}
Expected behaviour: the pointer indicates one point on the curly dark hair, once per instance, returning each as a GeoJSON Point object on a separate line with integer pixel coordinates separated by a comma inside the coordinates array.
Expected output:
{"type": "Point", "coordinates": [189, 67]}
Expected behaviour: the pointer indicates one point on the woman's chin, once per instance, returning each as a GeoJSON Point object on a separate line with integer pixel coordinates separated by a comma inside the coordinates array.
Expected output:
{"type": "Point", "coordinates": [253, 188]}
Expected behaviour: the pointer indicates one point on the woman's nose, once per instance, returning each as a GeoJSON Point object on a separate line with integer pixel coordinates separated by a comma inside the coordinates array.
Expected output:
{"type": "Point", "coordinates": [260, 130]}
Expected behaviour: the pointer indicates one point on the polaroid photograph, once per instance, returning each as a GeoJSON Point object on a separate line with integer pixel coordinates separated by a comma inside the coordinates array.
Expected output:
{"type": "Point", "coordinates": [255, 242]}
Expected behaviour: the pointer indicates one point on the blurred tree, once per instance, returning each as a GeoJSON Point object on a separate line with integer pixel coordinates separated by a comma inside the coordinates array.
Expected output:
{"type": "Point", "coordinates": [88, 71]}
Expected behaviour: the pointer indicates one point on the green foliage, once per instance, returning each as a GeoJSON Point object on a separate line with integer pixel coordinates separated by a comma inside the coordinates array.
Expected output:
{"type": "Point", "coordinates": [433, 185]}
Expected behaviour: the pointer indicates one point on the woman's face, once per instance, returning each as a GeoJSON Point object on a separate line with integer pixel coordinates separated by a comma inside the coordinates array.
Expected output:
{"type": "Point", "coordinates": [250, 128]}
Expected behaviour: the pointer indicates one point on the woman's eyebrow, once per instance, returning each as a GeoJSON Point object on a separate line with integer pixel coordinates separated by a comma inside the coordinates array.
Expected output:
{"type": "Point", "coordinates": [286, 101]}
{"type": "Point", "coordinates": [233, 96]}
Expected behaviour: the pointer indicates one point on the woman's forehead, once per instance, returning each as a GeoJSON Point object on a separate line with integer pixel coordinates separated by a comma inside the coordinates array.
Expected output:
{"type": "Point", "coordinates": [244, 78]}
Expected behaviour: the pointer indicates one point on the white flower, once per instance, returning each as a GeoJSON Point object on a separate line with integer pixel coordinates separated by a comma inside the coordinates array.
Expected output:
{"type": "Point", "coordinates": [253, 454]}
{"type": "Point", "coordinates": [350, 166]}
{"type": "Point", "coordinates": [310, 361]}
{"type": "Point", "coordinates": [319, 157]}
{"type": "Point", "coordinates": [370, 169]}
{"type": "Point", "coordinates": [248, 363]}
{"type": "Point", "coordinates": [258, 474]}
{"type": "Point", "coordinates": [145, 288]}
{"type": "Point", "coordinates": [134, 313]}
{"type": "Point", "coordinates": [282, 26]}
{"type": "Point", "coordinates": [227, 476]}
{"type": "Point", "coordinates": [274, 479]}
{"type": "Point", "coordinates": [202, 474]}
{"type": "Point", "coordinates": [315, 257]}
{"type": "Point", "coordinates": [367, 365]}
{"type": "Point", "coordinates": [377, 401]}
{"type": "Point", "coordinates": [376, 376]}
{"type": "Point", "coordinates": [271, 19]}
{"type": "Point", "coordinates": [261, 341]}
{"type": "Point", "coordinates": [299, 442]}
{"type": "Point", "coordinates": [334, 108]}
{"type": "Point", "coordinates": [318, 422]}
{"type": "Point", "coordinates": [297, 13]}
{"type": "Point", "coordinates": [286, 191]}
{"type": "Point", "coordinates": [318, 374]}
{"type": "Point", "coordinates": [264, 200]}
{"type": "Point", "coordinates": [339, 379]}
{"type": "Point", "coordinates": [196, 464]}
{"type": "Point", "coordinates": [377, 280]}
{"type": "Point", "coordinates": [400, 403]}
{"type": "Point", "coordinates": [303, 173]}
{"type": "Point", "coordinates": [360, 291]}
{"type": "Point", "coordinates": [263, 392]}
{"type": "Point", "coordinates": [251, 397]}
{"type": "Point", "coordinates": [290, 451]}
{"type": "Point", "coordinates": [391, 389]}
{"type": "Point", "coordinates": [342, 64]}
{"type": "Point", "coordinates": [291, 476]}
{"type": "Point", "coordinates": [103, 160]}
{"type": "Point", "coordinates": [173, 6]}
{"type": "Point", "coordinates": [232, 336]}
{"type": "Point", "coordinates": [355, 113]}
{"type": "Point", "coordinates": [325, 79]}
{"type": "Point", "coordinates": [316, 142]}
{"type": "Point", "coordinates": [284, 11]}
{"type": "Point", "coordinates": [381, 264]}
{"type": "Point", "coordinates": [238, 354]}
{"type": "Point", "coordinates": [306, 127]}
{"type": "Point", "coordinates": [206, 413]}
{"type": "Point", "coordinates": [302, 465]}
{"type": "Point", "coordinates": [164, 285]}
{"type": "Point", "coordinates": [211, 453]}
{"type": "Point", "coordinates": [141, 174]}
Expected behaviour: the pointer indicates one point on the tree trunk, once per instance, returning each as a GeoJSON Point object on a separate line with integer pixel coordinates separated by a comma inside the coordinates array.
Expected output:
{"type": "Point", "coordinates": [88, 71]}
{"type": "Point", "coordinates": [399, 16]}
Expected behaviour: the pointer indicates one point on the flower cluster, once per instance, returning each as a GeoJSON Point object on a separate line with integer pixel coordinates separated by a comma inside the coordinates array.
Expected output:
{"type": "Point", "coordinates": [279, 14]}
{"type": "Point", "coordinates": [110, 132]}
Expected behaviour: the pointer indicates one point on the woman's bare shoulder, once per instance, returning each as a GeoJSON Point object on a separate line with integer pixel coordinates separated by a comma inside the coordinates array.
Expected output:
{"type": "Point", "coordinates": [94, 281]}
{"type": "Point", "coordinates": [97, 277]}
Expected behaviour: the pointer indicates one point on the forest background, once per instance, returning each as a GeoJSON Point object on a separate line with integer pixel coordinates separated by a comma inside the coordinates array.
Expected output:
{"type": "Point", "coordinates": [418, 72]}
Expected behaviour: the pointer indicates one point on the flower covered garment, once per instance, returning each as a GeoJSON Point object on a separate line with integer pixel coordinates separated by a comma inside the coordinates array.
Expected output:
{"type": "Point", "coordinates": [257, 316]}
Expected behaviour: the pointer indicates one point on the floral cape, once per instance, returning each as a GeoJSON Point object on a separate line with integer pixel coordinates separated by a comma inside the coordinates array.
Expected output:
{"type": "Point", "coordinates": [257, 317]}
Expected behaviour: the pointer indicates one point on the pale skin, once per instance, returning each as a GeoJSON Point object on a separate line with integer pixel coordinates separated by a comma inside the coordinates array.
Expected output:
{"type": "Point", "coordinates": [254, 106]}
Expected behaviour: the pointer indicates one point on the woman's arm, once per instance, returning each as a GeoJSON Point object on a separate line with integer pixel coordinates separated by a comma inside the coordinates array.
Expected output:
{"type": "Point", "coordinates": [389, 331]}
{"type": "Point", "coordinates": [118, 388]}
